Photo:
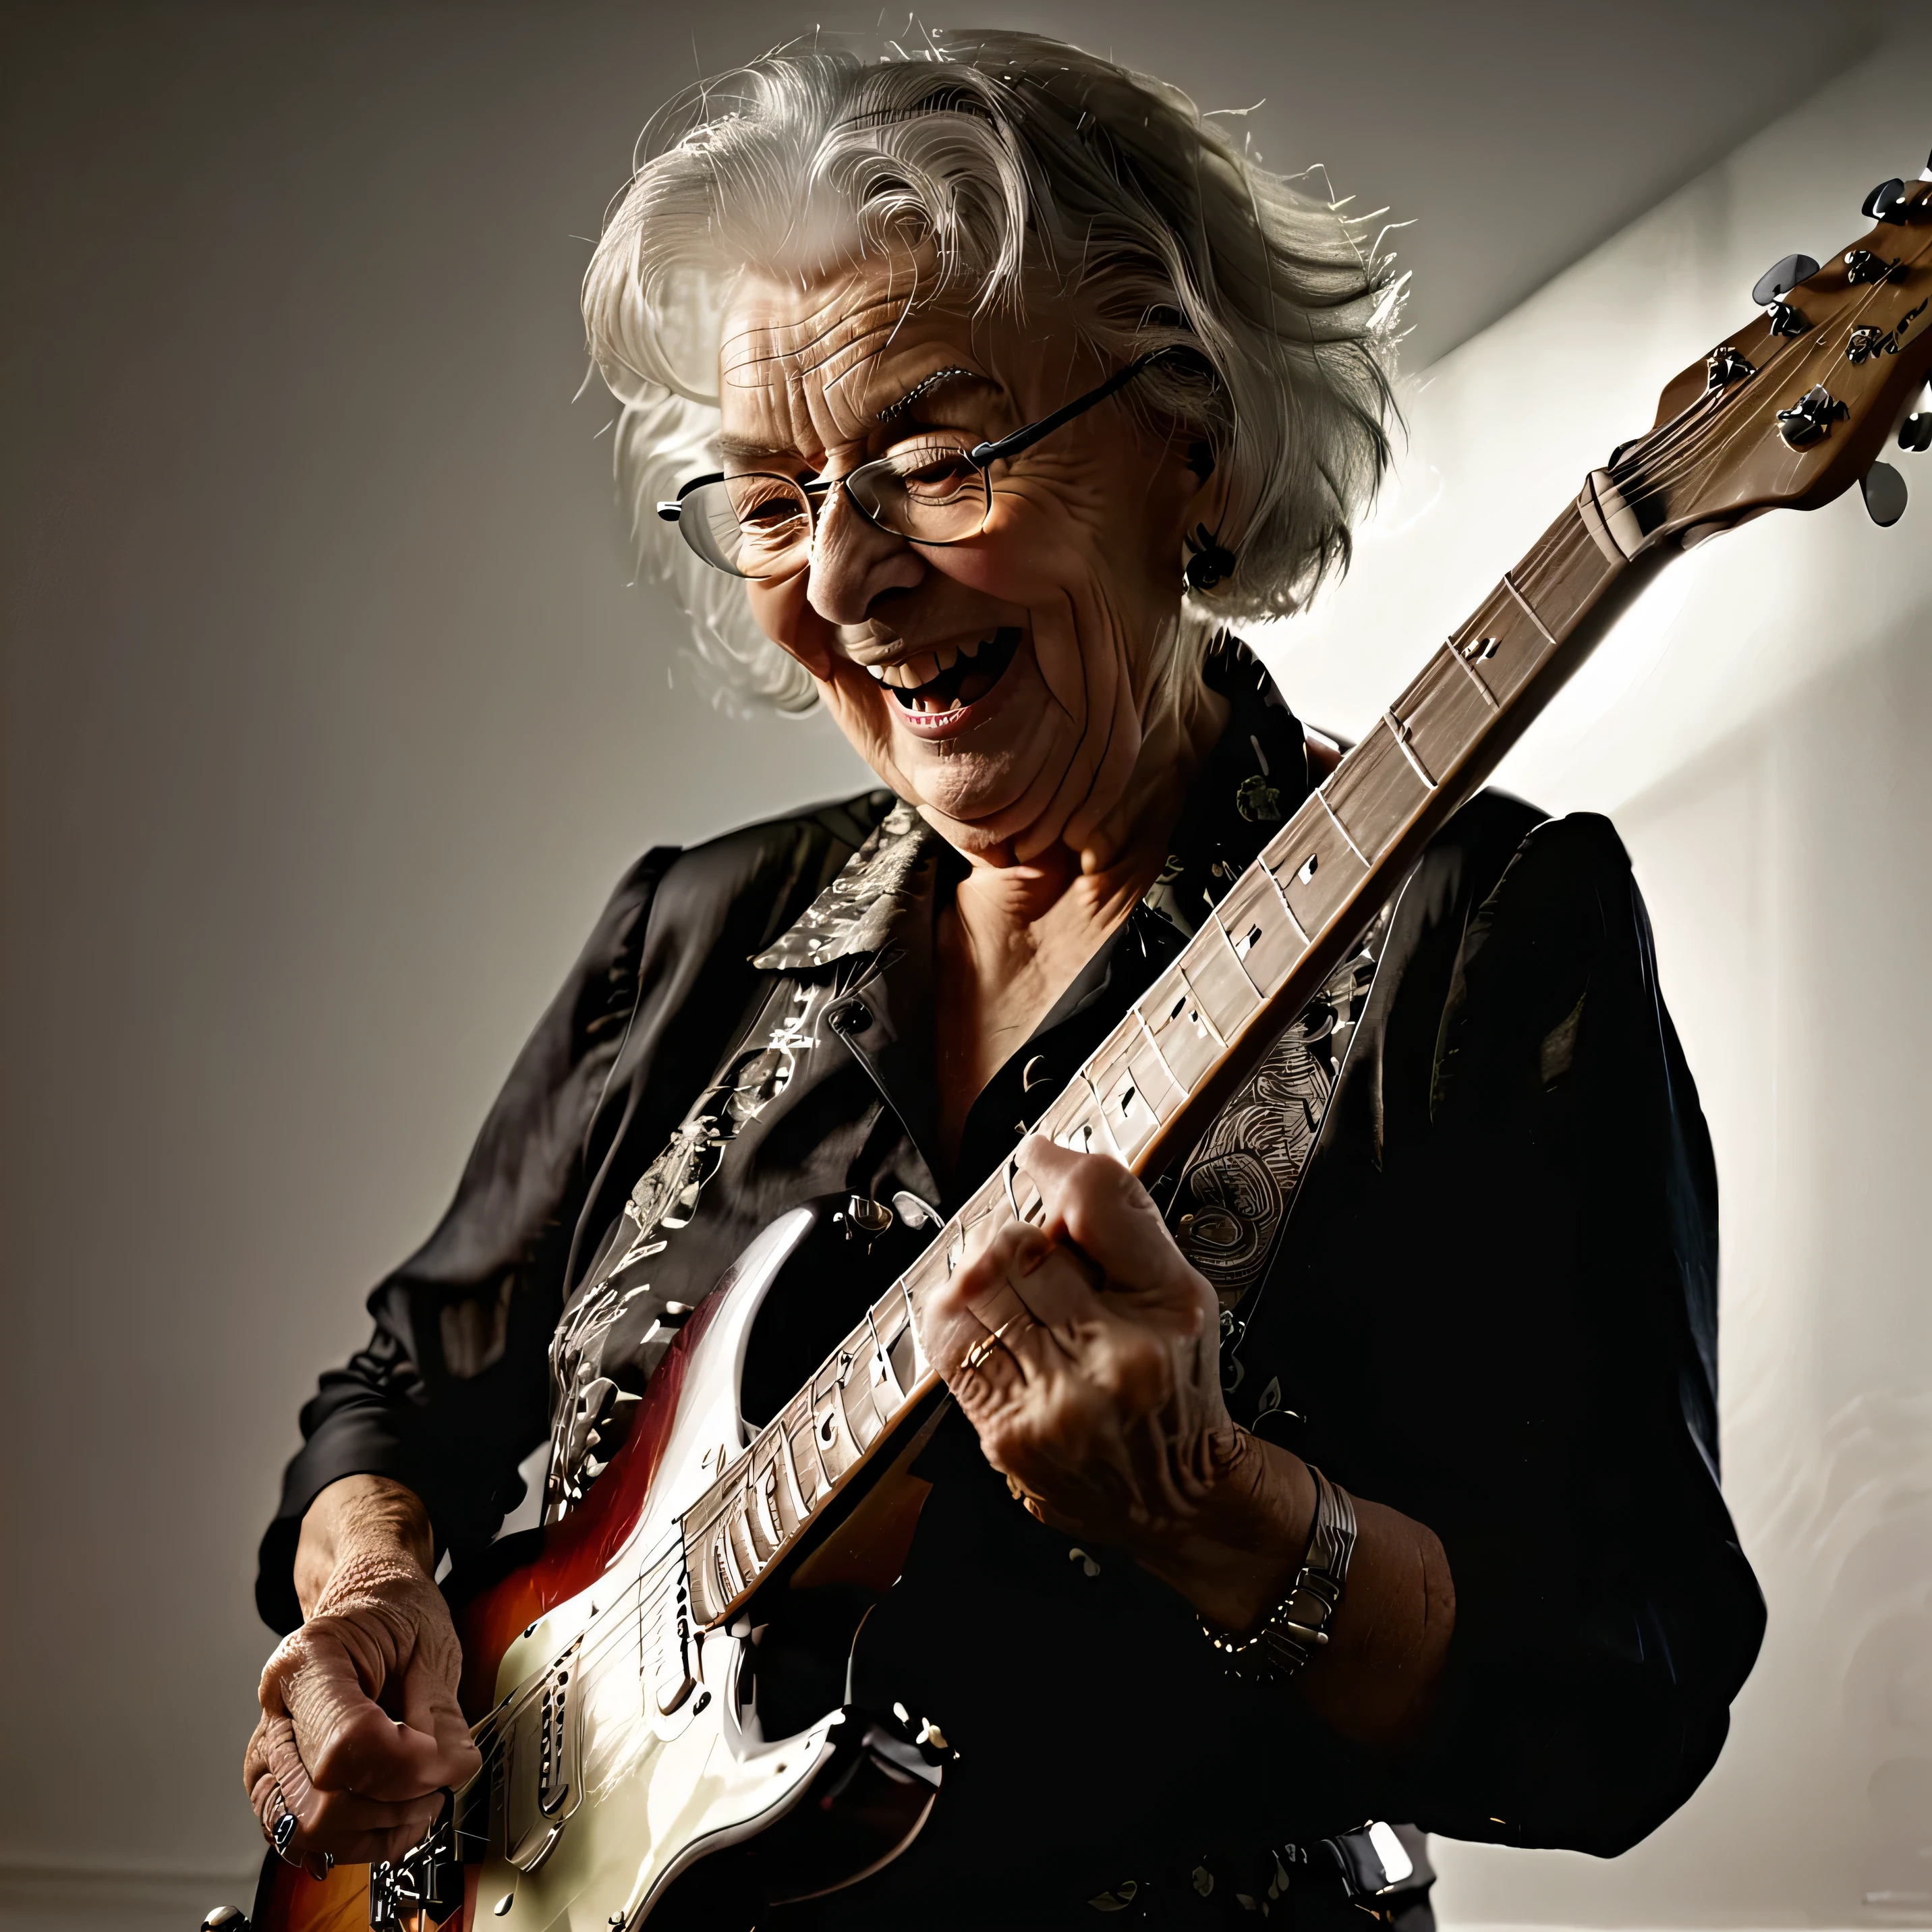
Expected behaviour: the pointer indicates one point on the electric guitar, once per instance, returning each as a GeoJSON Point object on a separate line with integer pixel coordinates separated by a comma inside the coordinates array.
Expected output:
{"type": "Point", "coordinates": [636, 1765]}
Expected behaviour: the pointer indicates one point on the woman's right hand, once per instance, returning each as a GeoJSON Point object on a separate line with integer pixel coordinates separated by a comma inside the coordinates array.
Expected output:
{"type": "Point", "coordinates": [360, 1733]}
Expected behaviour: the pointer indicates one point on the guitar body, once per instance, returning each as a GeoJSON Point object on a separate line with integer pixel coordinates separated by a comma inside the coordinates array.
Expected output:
{"type": "Point", "coordinates": [628, 1747]}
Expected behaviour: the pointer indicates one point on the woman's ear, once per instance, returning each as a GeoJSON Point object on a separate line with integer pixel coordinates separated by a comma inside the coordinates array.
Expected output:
{"type": "Point", "coordinates": [1207, 507]}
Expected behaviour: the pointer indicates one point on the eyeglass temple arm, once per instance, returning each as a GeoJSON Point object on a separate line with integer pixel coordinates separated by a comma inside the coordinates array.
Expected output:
{"type": "Point", "coordinates": [983, 453]}
{"type": "Point", "coordinates": [671, 512]}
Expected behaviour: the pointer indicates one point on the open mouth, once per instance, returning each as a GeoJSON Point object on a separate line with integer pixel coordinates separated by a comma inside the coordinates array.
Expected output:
{"type": "Point", "coordinates": [950, 676]}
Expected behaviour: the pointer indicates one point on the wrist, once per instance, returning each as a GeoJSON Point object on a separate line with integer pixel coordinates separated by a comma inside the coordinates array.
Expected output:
{"type": "Point", "coordinates": [1239, 1554]}
{"type": "Point", "coordinates": [364, 1525]}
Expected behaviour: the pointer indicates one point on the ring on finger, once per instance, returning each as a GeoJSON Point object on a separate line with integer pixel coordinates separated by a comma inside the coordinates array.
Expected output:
{"type": "Point", "coordinates": [981, 1351]}
{"type": "Point", "coordinates": [282, 1830]}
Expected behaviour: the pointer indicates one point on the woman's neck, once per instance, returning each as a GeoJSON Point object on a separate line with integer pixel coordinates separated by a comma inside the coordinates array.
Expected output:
{"type": "Point", "coordinates": [1014, 936]}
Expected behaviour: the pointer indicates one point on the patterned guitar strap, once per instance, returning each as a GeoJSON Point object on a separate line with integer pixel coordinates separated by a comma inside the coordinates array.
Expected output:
{"type": "Point", "coordinates": [1234, 1195]}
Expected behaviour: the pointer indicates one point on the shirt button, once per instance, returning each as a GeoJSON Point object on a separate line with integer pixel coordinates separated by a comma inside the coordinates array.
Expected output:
{"type": "Point", "coordinates": [853, 1017]}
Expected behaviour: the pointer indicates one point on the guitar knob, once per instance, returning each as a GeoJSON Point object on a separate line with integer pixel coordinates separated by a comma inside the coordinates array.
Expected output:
{"type": "Point", "coordinates": [1781, 277]}
{"type": "Point", "coordinates": [1862, 266]}
{"type": "Point", "coordinates": [1915, 433]}
{"type": "Point", "coordinates": [226, 1918]}
{"type": "Point", "coordinates": [1885, 493]}
{"type": "Point", "coordinates": [1885, 202]}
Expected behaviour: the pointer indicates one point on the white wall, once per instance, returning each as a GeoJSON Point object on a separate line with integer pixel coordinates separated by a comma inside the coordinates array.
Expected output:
{"type": "Point", "coordinates": [334, 718]}
{"type": "Point", "coordinates": [1758, 727]}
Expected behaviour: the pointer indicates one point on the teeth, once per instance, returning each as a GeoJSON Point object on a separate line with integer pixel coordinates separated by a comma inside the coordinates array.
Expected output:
{"type": "Point", "coordinates": [878, 671]}
{"type": "Point", "coordinates": [895, 675]}
{"type": "Point", "coordinates": [969, 651]}
{"type": "Point", "coordinates": [946, 656]}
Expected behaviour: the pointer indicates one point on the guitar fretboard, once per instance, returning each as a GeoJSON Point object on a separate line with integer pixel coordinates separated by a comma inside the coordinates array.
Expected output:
{"type": "Point", "coordinates": [1150, 1089]}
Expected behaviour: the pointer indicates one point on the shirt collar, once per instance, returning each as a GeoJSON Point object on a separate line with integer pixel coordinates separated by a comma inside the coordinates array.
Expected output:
{"type": "Point", "coordinates": [1254, 776]}
{"type": "Point", "coordinates": [857, 912]}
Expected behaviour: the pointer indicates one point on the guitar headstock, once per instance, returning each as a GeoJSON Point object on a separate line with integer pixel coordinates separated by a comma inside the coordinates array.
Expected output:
{"type": "Point", "coordinates": [1797, 405]}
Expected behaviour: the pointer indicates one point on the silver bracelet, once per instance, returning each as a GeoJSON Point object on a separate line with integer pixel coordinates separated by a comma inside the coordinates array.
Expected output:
{"type": "Point", "coordinates": [1297, 1626]}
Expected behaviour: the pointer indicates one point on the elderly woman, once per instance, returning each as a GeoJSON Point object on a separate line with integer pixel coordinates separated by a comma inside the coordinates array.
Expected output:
{"type": "Point", "coordinates": [971, 395]}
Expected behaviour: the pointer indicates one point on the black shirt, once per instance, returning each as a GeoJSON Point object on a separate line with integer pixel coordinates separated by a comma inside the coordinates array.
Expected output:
{"type": "Point", "coordinates": [1492, 1307]}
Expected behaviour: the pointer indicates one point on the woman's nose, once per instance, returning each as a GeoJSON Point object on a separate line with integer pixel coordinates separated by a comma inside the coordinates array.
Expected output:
{"type": "Point", "coordinates": [854, 563]}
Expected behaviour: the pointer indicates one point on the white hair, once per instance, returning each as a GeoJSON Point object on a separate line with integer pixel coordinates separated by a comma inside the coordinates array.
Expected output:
{"type": "Point", "coordinates": [1019, 168]}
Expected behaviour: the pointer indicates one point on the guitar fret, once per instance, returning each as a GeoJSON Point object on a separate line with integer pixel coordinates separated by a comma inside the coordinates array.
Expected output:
{"type": "Point", "coordinates": [1399, 731]}
{"type": "Point", "coordinates": [1228, 940]}
{"type": "Point", "coordinates": [1323, 796]}
{"type": "Point", "coordinates": [1469, 671]}
{"type": "Point", "coordinates": [751, 1507]}
{"type": "Point", "coordinates": [863, 1422]}
{"type": "Point", "coordinates": [728, 1569]}
{"type": "Point", "coordinates": [801, 1504]}
{"type": "Point", "coordinates": [1147, 1033]}
{"type": "Point", "coordinates": [1274, 880]}
{"type": "Point", "coordinates": [1197, 1006]}
{"type": "Point", "coordinates": [880, 1371]}
{"type": "Point", "coordinates": [806, 1430]}
{"type": "Point", "coordinates": [1271, 943]}
{"type": "Point", "coordinates": [1509, 585]}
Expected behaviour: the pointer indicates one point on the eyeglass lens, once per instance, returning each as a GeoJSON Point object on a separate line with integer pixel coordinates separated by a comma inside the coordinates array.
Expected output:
{"type": "Point", "coordinates": [760, 525]}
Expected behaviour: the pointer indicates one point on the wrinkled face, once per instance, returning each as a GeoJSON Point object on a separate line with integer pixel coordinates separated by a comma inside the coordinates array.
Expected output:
{"type": "Point", "coordinates": [999, 683]}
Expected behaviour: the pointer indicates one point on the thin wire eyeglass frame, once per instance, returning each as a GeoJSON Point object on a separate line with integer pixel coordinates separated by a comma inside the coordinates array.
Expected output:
{"type": "Point", "coordinates": [982, 456]}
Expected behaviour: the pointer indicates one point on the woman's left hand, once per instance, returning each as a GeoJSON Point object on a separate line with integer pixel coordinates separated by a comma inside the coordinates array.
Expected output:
{"type": "Point", "coordinates": [1086, 1352]}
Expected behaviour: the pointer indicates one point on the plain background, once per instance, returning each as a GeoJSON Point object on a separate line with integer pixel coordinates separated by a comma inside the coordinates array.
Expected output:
{"type": "Point", "coordinates": [332, 715]}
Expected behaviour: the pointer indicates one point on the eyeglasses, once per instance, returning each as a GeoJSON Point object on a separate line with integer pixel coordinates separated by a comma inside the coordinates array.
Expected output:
{"type": "Point", "coordinates": [936, 490]}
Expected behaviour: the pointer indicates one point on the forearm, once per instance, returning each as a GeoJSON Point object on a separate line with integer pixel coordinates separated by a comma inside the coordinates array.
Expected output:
{"type": "Point", "coordinates": [1374, 1680]}
{"type": "Point", "coordinates": [360, 1515]}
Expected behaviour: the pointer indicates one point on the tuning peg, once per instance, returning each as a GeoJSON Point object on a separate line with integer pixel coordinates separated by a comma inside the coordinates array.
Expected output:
{"type": "Point", "coordinates": [226, 1918]}
{"type": "Point", "coordinates": [1781, 277]}
{"type": "Point", "coordinates": [1915, 433]}
{"type": "Point", "coordinates": [1885, 494]}
{"type": "Point", "coordinates": [1886, 203]}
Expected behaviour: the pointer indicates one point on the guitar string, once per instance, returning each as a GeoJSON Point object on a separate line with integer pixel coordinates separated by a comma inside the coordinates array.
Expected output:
{"type": "Point", "coordinates": [1698, 435]}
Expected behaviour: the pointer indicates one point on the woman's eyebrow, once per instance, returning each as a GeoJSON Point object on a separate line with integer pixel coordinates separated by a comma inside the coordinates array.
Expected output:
{"type": "Point", "coordinates": [749, 449]}
{"type": "Point", "coordinates": [939, 377]}
{"type": "Point", "coordinates": [746, 449]}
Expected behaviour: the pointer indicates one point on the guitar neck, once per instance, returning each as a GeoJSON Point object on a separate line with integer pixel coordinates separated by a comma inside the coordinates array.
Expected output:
{"type": "Point", "coordinates": [1150, 1089]}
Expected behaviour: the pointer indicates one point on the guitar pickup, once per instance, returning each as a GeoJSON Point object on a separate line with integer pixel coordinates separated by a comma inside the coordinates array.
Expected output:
{"type": "Point", "coordinates": [543, 1781]}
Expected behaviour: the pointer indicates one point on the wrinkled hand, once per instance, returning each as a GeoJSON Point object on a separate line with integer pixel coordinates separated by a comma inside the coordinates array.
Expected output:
{"type": "Point", "coordinates": [1086, 1353]}
{"type": "Point", "coordinates": [361, 1731]}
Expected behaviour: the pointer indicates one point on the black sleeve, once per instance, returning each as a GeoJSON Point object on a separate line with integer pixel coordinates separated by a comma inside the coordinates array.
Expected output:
{"type": "Point", "coordinates": [451, 1391]}
{"type": "Point", "coordinates": [1524, 1355]}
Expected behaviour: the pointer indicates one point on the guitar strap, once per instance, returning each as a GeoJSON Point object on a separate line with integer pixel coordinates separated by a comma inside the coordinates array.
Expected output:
{"type": "Point", "coordinates": [587, 1402]}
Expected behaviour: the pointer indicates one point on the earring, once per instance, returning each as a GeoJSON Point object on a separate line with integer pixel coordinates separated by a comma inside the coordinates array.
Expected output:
{"type": "Point", "coordinates": [1211, 563]}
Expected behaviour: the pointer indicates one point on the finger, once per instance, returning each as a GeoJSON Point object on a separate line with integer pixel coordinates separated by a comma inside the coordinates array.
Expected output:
{"type": "Point", "coordinates": [978, 1298]}
{"type": "Point", "coordinates": [343, 1825]}
{"type": "Point", "coordinates": [429, 1709]}
{"type": "Point", "coordinates": [369, 1753]}
{"type": "Point", "coordinates": [1095, 1202]}
{"type": "Point", "coordinates": [348, 1741]}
